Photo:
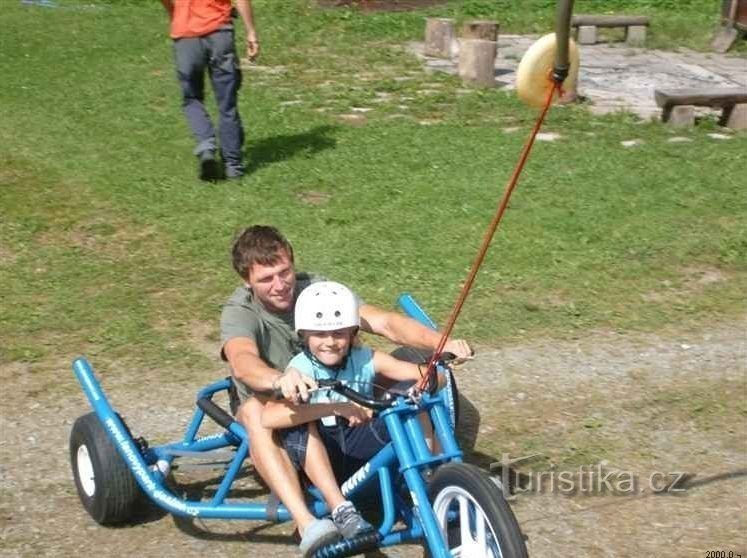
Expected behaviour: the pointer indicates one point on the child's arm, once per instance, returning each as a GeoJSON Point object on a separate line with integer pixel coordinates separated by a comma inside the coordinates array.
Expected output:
{"type": "Point", "coordinates": [398, 370]}
{"type": "Point", "coordinates": [282, 414]}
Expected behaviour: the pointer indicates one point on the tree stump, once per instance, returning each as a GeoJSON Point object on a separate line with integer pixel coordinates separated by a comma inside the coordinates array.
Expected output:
{"type": "Point", "coordinates": [587, 34]}
{"type": "Point", "coordinates": [439, 34]}
{"type": "Point", "coordinates": [477, 62]}
{"type": "Point", "coordinates": [636, 35]}
{"type": "Point", "coordinates": [480, 29]}
{"type": "Point", "coordinates": [681, 116]}
{"type": "Point", "coordinates": [736, 117]}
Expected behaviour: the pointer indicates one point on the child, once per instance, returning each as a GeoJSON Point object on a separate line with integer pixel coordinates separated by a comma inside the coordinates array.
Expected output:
{"type": "Point", "coordinates": [331, 430]}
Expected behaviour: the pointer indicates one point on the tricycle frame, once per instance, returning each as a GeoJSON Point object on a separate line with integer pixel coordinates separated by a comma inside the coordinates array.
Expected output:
{"type": "Point", "coordinates": [407, 455]}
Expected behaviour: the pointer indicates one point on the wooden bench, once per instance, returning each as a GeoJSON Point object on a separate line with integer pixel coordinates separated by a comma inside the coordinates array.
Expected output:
{"type": "Point", "coordinates": [635, 27]}
{"type": "Point", "coordinates": [678, 105]}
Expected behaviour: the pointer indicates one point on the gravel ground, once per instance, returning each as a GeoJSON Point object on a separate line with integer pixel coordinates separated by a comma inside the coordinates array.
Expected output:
{"type": "Point", "coordinates": [546, 386]}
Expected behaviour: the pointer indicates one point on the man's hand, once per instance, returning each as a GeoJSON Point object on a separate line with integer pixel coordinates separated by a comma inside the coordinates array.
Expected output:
{"type": "Point", "coordinates": [295, 386]}
{"type": "Point", "coordinates": [244, 7]}
{"type": "Point", "coordinates": [252, 45]}
{"type": "Point", "coordinates": [355, 414]}
{"type": "Point", "coordinates": [460, 348]}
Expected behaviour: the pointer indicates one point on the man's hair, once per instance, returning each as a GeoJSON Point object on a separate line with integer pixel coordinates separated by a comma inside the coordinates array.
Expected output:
{"type": "Point", "coordinates": [259, 244]}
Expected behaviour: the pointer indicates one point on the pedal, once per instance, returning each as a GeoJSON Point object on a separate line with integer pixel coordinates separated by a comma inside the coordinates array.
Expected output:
{"type": "Point", "coordinates": [361, 543]}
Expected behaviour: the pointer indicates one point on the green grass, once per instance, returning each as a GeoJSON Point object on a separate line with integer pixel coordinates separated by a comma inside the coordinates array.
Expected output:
{"type": "Point", "coordinates": [674, 23]}
{"type": "Point", "coordinates": [110, 246]}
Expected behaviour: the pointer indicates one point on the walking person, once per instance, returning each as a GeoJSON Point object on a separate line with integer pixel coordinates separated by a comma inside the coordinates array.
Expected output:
{"type": "Point", "coordinates": [203, 35]}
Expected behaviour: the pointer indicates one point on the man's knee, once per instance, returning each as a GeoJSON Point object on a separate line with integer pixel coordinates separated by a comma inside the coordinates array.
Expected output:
{"type": "Point", "coordinates": [249, 414]}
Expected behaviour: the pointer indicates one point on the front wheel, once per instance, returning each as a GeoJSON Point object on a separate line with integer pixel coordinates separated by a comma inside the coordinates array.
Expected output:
{"type": "Point", "coordinates": [106, 486]}
{"type": "Point", "coordinates": [474, 517]}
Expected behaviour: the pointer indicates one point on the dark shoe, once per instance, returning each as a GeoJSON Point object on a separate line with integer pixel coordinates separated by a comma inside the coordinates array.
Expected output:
{"type": "Point", "coordinates": [235, 172]}
{"type": "Point", "coordinates": [349, 521]}
{"type": "Point", "coordinates": [210, 170]}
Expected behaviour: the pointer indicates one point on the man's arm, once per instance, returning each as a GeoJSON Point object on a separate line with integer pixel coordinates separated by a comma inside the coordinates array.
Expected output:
{"type": "Point", "coordinates": [400, 370]}
{"type": "Point", "coordinates": [249, 368]}
{"type": "Point", "coordinates": [405, 331]}
{"type": "Point", "coordinates": [244, 7]}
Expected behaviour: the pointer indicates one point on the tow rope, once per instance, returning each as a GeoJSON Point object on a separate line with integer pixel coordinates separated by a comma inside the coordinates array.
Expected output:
{"type": "Point", "coordinates": [425, 381]}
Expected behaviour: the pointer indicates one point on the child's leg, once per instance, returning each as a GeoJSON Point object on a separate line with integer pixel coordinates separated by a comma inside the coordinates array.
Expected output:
{"type": "Point", "coordinates": [430, 438]}
{"type": "Point", "coordinates": [319, 469]}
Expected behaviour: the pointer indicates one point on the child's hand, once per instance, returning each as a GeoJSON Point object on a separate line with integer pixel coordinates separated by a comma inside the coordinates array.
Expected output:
{"type": "Point", "coordinates": [295, 386]}
{"type": "Point", "coordinates": [355, 414]}
{"type": "Point", "coordinates": [460, 348]}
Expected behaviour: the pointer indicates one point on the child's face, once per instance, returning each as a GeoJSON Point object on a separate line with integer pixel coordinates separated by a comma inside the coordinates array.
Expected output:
{"type": "Point", "coordinates": [330, 347]}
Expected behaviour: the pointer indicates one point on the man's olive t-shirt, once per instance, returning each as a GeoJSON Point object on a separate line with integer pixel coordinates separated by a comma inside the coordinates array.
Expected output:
{"type": "Point", "coordinates": [274, 334]}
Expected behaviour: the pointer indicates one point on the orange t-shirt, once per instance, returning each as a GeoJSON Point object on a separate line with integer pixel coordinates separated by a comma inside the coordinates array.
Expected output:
{"type": "Point", "coordinates": [195, 18]}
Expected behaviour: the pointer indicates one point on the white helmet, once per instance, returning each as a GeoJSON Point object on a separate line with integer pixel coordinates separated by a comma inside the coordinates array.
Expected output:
{"type": "Point", "coordinates": [326, 306]}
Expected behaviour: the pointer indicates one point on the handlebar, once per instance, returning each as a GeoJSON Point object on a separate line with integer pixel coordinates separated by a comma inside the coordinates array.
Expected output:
{"type": "Point", "coordinates": [356, 396]}
{"type": "Point", "coordinates": [342, 389]}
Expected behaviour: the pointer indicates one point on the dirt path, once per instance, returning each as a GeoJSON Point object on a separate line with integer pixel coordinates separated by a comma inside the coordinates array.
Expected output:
{"type": "Point", "coordinates": [674, 402]}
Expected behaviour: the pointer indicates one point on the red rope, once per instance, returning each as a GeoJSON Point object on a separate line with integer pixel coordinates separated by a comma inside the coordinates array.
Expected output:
{"type": "Point", "coordinates": [510, 186]}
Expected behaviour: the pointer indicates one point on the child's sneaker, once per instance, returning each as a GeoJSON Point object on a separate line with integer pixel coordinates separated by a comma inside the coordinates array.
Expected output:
{"type": "Point", "coordinates": [319, 533]}
{"type": "Point", "coordinates": [349, 522]}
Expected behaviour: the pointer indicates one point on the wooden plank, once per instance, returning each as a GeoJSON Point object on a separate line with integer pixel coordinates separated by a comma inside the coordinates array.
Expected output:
{"type": "Point", "coordinates": [608, 20]}
{"type": "Point", "coordinates": [705, 97]}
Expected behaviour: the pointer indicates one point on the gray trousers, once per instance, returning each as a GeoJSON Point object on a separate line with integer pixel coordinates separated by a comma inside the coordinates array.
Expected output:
{"type": "Point", "coordinates": [215, 53]}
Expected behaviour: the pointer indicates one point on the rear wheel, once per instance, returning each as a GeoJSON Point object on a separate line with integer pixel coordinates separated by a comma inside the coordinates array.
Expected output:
{"type": "Point", "coordinates": [105, 484]}
{"type": "Point", "coordinates": [474, 517]}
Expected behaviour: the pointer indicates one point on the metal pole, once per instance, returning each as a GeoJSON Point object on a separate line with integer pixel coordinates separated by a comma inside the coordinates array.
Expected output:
{"type": "Point", "coordinates": [562, 35]}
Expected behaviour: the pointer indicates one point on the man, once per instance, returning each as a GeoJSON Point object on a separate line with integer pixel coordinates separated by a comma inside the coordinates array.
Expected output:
{"type": "Point", "coordinates": [203, 35]}
{"type": "Point", "coordinates": [259, 339]}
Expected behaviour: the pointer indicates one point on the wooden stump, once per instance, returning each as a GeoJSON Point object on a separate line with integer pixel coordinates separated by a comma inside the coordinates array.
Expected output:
{"type": "Point", "coordinates": [636, 35]}
{"type": "Point", "coordinates": [477, 62]}
{"type": "Point", "coordinates": [680, 116]}
{"type": "Point", "coordinates": [439, 34]}
{"type": "Point", "coordinates": [587, 34]}
{"type": "Point", "coordinates": [736, 117]}
{"type": "Point", "coordinates": [480, 29]}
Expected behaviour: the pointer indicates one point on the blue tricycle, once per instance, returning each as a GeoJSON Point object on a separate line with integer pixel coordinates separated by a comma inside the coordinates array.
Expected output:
{"type": "Point", "coordinates": [453, 508]}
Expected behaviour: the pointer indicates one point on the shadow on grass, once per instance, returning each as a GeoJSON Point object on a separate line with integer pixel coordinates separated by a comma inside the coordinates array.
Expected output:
{"type": "Point", "coordinates": [280, 148]}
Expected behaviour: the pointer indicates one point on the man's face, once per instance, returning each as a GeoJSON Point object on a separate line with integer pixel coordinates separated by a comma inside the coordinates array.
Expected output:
{"type": "Point", "coordinates": [273, 285]}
